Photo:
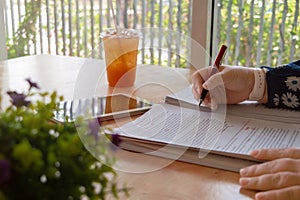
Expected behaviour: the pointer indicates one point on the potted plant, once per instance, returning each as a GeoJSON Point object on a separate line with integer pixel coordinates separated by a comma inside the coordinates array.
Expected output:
{"type": "Point", "coordinates": [40, 159]}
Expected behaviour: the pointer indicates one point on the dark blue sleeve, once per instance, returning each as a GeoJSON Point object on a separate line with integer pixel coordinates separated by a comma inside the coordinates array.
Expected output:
{"type": "Point", "coordinates": [283, 86]}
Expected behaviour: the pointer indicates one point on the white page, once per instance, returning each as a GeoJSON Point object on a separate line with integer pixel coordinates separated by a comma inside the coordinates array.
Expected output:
{"type": "Point", "coordinates": [250, 109]}
{"type": "Point", "coordinates": [185, 95]}
{"type": "Point", "coordinates": [203, 130]}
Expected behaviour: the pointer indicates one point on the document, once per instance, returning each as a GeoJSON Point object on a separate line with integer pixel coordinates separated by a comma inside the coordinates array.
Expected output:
{"type": "Point", "coordinates": [251, 109]}
{"type": "Point", "coordinates": [215, 139]}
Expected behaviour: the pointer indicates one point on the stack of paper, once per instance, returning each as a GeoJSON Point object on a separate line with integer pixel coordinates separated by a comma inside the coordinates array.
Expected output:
{"type": "Point", "coordinates": [215, 139]}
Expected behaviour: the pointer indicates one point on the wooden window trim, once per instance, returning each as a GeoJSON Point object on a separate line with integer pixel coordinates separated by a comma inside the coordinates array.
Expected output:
{"type": "Point", "coordinates": [201, 32]}
{"type": "Point", "coordinates": [3, 52]}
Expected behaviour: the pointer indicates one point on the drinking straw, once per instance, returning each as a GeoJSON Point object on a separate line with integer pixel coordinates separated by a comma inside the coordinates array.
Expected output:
{"type": "Point", "coordinates": [114, 16]}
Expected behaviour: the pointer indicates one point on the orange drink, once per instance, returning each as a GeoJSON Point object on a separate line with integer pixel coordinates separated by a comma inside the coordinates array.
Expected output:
{"type": "Point", "coordinates": [121, 51]}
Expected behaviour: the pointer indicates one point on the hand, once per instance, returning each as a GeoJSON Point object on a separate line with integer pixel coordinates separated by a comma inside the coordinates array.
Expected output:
{"type": "Point", "coordinates": [231, 85]}
{"type": "Point", "coordinates": [277, 179]}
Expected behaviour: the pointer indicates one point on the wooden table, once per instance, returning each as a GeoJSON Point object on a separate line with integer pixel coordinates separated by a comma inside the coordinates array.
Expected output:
{"type": "Point", "coordinates": [77, 77]}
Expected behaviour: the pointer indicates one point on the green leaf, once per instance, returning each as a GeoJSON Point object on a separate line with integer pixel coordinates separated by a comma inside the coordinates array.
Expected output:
{"type": "Point", "coordinates": [29, 158]}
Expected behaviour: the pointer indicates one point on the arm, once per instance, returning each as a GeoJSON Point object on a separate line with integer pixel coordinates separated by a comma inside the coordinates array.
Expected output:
{"type": "Point", "coordinates": [283, 85]}
{"type": "Point", "coordinates": [279, 177]}
{"type": "Point", "coordinates": [238, 83]}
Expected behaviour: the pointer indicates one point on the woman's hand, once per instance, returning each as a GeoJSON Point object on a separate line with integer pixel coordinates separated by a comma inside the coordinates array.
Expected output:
{"type": "Point", "coordinates": [231, 85]}
{"type": "Point", "coordinates": [277, 179]}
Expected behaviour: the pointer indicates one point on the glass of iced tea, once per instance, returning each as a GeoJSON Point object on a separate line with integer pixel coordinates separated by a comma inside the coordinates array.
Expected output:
{"type": "Point", "coordinates": [121, 50]}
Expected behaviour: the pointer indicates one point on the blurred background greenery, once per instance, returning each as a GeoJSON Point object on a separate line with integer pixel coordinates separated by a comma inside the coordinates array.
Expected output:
{"type": "Point", "coordinates": [258, 32]}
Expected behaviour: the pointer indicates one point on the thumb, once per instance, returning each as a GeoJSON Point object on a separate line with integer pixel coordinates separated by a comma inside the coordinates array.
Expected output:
{"type": "Point", "coordinates": [214, 81]}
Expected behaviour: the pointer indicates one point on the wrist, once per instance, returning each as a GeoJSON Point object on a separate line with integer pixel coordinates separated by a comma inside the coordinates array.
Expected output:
{"type": "Point", "coordinates": [258, 92]}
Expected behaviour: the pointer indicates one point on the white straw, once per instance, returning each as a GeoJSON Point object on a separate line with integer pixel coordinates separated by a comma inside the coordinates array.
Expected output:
{"type": "Point", "coordinates": [114, 16]}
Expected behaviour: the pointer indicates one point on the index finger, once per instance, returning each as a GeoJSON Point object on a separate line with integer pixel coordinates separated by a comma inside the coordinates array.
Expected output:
{"type": "Point", "coordinates": [198, 78]}
{"type": "Point", "coordinates": [272, 154]}
{"type": "Point", "coordinates": [197, 82]}
{"type": "Point", "coordinates": [272, 167]}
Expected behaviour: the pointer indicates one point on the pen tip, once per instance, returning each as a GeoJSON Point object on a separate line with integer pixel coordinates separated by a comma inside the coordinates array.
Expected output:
{"type": "Point", "coordinates": [200, 102]}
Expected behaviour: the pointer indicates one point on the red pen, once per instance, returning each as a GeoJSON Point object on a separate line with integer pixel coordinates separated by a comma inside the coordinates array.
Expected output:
{"type": "Point", "coordinates": [214, 69]}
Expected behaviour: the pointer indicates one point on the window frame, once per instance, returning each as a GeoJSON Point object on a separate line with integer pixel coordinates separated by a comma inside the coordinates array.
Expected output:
{"type": "Point", "coordinates": [203, 22]}
{"type": "Point", "coordinates": [3, 52]}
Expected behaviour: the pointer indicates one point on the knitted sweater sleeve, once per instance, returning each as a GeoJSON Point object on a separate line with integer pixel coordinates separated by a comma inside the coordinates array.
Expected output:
{"type": "Point", "coordinates": [283, 86]}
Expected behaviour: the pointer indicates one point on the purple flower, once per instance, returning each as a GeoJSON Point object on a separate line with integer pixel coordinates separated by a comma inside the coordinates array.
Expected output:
{"type": "Point", "coordinates": [94, 127]}
{"type": "Point", "coordinates": [115, 141]}
{"type": "Point", "coordinates": [4, 170]}
{"type": "Point", "coordinates": [18, 99]}
{"type": "Point", "coordinates": [32, 84]}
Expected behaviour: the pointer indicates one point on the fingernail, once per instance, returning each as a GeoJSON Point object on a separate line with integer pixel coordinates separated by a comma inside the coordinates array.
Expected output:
{"type": "Point", "coordinates": [260, 196]}
{"type": "Point", "coordinates": [243, 172]}
{"type": "Point", "coordinates": [244, 181]}
{"type": "Point", "coordinates": [204, 86]}
{"type": "Point", "coordinates": [254, 153]}
{"type": "Point", "coordinates": [198, 90]}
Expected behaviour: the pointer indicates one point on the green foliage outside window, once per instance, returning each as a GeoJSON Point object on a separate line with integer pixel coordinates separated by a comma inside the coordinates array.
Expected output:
{"type": "Point", "coordinates": [25, 35]}
{"type": "Point", "coordinates": [84, 38]}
